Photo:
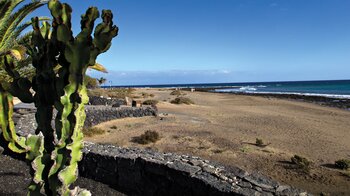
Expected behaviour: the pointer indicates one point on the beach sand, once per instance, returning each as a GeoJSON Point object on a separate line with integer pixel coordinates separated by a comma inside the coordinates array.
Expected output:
{"type": "Point", "coordinates": [224, 127]}
{"type": "Point", "coordinates": [16, 101]}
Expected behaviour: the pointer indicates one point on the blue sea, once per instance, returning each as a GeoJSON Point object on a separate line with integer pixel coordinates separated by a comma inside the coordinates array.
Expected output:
{"type": "Point", "coordinates": [326, 88]}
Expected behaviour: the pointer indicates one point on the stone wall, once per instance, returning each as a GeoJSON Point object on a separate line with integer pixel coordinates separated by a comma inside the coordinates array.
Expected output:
{"type": "Point", "coordinates": [98, 114]}
{"type": "Point", "coordinates": [94, 100]}
{"type": "Point", "coordinates": [25, 118]}
{"type": "Point", "coordinates": [145, 172]}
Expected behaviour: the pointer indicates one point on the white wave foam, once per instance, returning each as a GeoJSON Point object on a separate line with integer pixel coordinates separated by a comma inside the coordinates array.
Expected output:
{"type": "Point", "coordinates": [309, 94]}
{"type": "Point", "coordinates": [238, 89]}
{"type": "Point", "coordinates": [247, 88]}
{"type": "Point", "coordinates": [285, 93]}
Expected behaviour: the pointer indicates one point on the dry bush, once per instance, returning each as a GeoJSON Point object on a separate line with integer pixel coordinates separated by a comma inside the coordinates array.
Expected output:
{"type": "Point", "coordinates": [91, 131]}
{"type": "Point", "coordinates": [177, 93]}
{"type": "Point", "coordinates": [259, 142]}
{"type": "Point", "coordinates": [182, 100]}
{"type": "Point", "coordinates": [301, 162]}
{"type": "Point", "coordinates": [150, 102]}
{"type": "Point", "coordinates": [342, 164]}
{"type": "Point", "coordinates": [147, 137]}
{"type": "Point", "coordinates": [114, 127]}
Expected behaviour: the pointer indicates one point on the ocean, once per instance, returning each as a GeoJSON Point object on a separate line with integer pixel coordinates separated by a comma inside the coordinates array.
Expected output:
{"type": "Point", "coordinates": [326, 88]}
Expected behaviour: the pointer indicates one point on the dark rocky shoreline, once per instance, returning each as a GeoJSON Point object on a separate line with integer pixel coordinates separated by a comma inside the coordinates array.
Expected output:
{"type": "Point", "coordinates": [324, 101]}
{"type": "Point", "coordinates": [341, 103]}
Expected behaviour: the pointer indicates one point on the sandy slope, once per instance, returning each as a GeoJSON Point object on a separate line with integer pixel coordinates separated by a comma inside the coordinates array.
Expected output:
{"type": "Point", "coordinates": [224, 127]}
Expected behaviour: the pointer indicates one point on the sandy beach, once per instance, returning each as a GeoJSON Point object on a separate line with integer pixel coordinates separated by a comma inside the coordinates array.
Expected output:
{"type": "Point", "coordinates": [224, 127]}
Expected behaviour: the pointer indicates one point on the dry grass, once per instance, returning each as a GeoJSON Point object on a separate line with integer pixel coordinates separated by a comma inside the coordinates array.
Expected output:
{"type": "Point", "coordinates": [146, 95]}
{"type": "Point", "coordinates": [113, 93]}
{"type": "Point", "coordinates": [91, 131]}
{"type": "Point", "coordinates": [182, 100]}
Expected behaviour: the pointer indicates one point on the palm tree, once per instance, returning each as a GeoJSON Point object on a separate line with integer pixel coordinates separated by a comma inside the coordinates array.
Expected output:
{"type": "Point", "coordinates": [12, 42]}
{"type": "Point", "coordinates": [102, 80]}
{"type": "Point", "coordinates": [11, 28]}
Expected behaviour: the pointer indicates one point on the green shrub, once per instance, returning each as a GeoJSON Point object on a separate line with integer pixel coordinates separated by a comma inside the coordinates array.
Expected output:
{"type": "Point", "coordinates": [245, 149]}
{"type": "Point", "coordinates": [147, 137]}
{"type": "Point", "coordinates": [91, 131]}
{"type": "Point", "coordinates": [150, 102]}
{"type": "Point", "coordinates": [182, 100]}
{"type": "Point", "coordinates": [301, 162]}
{"type": "Point", "coordinates": [342, 164]}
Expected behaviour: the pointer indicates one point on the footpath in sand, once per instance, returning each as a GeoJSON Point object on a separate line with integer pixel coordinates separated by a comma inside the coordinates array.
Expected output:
{"type": "Point", "coordinates": [224, 127]}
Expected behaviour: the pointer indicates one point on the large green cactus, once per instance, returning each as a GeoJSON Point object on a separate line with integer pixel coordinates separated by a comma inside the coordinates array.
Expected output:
{"type": "Point", "coordinates": [61, 61]}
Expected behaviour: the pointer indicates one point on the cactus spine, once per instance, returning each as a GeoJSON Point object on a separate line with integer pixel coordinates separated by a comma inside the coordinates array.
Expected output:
{"type": "Point", "coordinates": [61, 61]}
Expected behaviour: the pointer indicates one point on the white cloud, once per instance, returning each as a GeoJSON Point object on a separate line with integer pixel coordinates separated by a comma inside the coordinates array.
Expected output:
{"type": "Point", "coordinates": [273, 5]}
{"type": "Point", "coordinates": [225, 71]}
{"type": "Point", "coordinates": [166, 77]}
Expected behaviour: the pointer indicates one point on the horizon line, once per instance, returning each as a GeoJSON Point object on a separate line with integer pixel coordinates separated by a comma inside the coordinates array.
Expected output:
{"type": "Point", "coordinates": [178, 84]}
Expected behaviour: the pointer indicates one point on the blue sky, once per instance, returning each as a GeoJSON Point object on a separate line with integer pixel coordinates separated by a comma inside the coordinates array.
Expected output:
{"type": "Point", "coordinates": [201, 41]}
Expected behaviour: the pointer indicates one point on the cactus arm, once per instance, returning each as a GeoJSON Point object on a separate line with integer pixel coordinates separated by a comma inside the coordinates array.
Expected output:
{"type": "Point", "coordinates": [36, 143]}
{"type": "Point", "coordinates": [19, 87]}
{"type": "Point", "coordinates": [59, 155]}
{"type": "Point", "coordinates": [73, 114]}
{"type": "Point", "coordinates": [44, 61]}
{"type": "Point", "coordinates": [43, 82]}
{"type": "Point", "coordinates": [15, 143]}
{"type": "Point", "coordinates": [32, 145]}
{"type": "Point", "coordinates": [103, 35]}
{"type": "Point", "coordinates": [69, 174]}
